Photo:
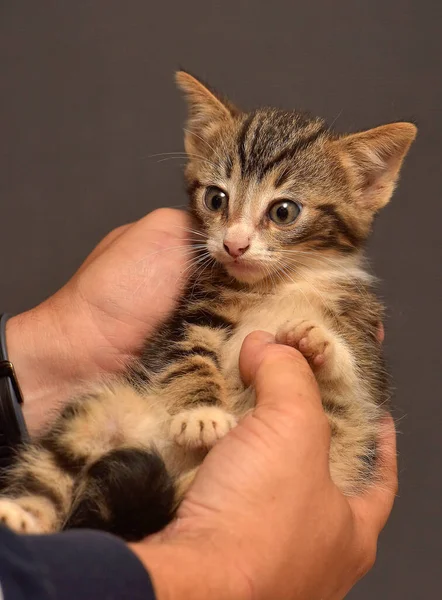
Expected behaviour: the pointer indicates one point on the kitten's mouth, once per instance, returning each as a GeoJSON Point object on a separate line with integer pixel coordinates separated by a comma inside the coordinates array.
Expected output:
{"type": "Point", "coordinates": [243, 269]}
{"type": "Point", "coordinates": [239, 265]}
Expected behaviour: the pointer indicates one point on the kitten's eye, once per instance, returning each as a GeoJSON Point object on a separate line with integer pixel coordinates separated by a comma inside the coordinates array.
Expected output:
{"type": "Point", "coordinates": [215, 199]}
{"type": "Point", "coordinates": [284, 212]}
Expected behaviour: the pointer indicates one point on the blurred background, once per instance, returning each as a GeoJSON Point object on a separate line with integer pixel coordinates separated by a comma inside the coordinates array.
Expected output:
{"type": "Point", "coordinates": [87, 97]}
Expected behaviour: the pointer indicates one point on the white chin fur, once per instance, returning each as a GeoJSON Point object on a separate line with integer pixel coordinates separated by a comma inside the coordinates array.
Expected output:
{"type": "Point", "coordinates": [252, 275]}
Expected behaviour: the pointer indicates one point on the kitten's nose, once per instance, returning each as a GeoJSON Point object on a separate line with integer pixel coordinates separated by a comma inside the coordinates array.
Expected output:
{"type": "Point", "coordinates": [236, 247]}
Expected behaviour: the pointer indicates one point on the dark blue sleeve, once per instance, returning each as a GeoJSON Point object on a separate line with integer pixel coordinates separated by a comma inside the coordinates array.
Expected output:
{"type": "Point", "coordinates": [70, 565]}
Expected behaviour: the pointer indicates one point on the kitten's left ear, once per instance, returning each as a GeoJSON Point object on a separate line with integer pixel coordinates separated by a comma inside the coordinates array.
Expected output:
{"type": "Point", "coordinates": [373, 159]}
{"type": "Point", "coordinates": [206, 108]}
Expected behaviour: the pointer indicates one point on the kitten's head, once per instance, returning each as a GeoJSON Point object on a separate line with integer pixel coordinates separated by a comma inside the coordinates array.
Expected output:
{"type": "Point", "coordinates": [274, 189]}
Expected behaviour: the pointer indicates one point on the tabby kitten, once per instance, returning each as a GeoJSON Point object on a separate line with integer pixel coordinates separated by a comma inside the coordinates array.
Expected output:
{"type": "Point", "coordinates": [282, 209]}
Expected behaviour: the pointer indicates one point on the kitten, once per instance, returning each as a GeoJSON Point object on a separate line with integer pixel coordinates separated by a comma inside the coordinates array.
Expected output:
{"type": "Point", "coordinates": [283, 207]}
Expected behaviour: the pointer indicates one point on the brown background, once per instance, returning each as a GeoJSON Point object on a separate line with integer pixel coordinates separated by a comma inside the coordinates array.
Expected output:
{"type": "Point", "coordinates": [86, 95]}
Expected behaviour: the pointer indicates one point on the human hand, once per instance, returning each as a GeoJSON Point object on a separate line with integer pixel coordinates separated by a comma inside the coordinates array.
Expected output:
{"type": "Point", "coordinates": [101, 317]}
{"type": "Point", "coordinates": [263, 518]}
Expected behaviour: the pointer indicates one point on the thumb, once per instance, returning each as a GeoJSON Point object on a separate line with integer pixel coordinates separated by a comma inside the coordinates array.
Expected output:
{"type": "Point", "coordinates": [280, 375]}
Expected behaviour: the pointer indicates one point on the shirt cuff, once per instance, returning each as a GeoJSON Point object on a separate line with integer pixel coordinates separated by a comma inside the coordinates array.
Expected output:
{"type": "Point", "coordinates": [74, 564]}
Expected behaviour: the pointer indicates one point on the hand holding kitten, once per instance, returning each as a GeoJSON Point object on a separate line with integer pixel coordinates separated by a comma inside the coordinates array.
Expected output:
{"type": "Point", "coordinates": [263, 518]}
{"type": "Point", "coordinates": [94, 324]}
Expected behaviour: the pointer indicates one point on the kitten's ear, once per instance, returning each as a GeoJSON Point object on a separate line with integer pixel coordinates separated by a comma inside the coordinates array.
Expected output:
{"type": "Point", "coordinates": [374, 158]}
{"type": "Point", "coordinates": [206, 108]}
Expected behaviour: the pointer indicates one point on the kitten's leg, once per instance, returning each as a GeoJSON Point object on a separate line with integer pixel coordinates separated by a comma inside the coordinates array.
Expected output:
{"type": "Point", "coordinates": [347, 399]}
{"type": "Point", "coordinates": [195, 391]}
{"type": "Point", "coordinates": [66, 463]}
{"type": "Point", "coordinates": [38, 494]}
{"type": "Point", "coordinates": [39, 487]}
{"type": "Point", "coordinates": [128, 492]}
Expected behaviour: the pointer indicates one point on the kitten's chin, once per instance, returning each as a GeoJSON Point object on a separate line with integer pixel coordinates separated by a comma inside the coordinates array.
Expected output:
{"type": "Point", "coordinates": [245, 272]}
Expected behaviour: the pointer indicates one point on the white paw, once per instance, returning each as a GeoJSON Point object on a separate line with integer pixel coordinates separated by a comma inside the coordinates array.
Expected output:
{"type": "Point", "coordinates": [201, 427]}
{"type": "Point", "coordinates": [311, 339]}
{"type": "Point", "coordinates": [18, 519]}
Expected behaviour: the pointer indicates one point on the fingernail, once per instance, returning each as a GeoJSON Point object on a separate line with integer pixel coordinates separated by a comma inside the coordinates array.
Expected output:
{"type": "Point", "coordinates": [265, 337]}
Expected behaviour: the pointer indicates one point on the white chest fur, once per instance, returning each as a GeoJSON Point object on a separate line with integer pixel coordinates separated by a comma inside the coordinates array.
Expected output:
{"type": "Point", "coordinates": [306, 298]}
{"type": "Point", "coordinates": [291, 303]}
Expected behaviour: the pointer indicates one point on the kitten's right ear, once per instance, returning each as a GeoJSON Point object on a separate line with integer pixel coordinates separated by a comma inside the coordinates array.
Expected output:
{"type": "Point", "coordinates": [206, 108]}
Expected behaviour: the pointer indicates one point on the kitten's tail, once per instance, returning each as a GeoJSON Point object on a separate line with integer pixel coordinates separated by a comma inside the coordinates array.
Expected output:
{"type": "Point", "coordinates": [127, 492]}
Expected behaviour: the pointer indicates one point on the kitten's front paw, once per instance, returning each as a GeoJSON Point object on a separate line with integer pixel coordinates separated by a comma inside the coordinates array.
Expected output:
{"type": "Point", "coordinates": [18, 519]}
{"type": "Point", "coordinates": [311, 339]}
{"type": "Point", "coordinates": [201, 427]}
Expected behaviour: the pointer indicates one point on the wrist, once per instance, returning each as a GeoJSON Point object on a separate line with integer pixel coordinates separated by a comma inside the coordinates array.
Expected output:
{"type": "Point", "coordinates": [191, 570]}
{"type": "Point", "coordinates": [48, 368]}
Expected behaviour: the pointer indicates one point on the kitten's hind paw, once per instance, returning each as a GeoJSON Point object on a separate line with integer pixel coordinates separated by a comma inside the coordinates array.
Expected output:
{"type": "Point", "coordinates": [201, 427]}
{"type": "Point", "coordinates": [18, 519]}
{"type": "Point", "coordinates": [311, 339]}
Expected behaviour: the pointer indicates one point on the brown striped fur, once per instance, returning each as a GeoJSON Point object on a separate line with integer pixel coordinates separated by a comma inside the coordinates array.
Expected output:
{"type": "Point", "coordinates": [143, 437]}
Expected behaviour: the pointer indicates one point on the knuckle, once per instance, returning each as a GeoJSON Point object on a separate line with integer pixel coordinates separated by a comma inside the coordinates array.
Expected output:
{"type": "Point", "coordinates": [367, 558]}
{"type": "Point", "coordinates": [323, 424]}
{"type": "Point", "coordinates": [116, 232]}
{"type": "Point", "coordinates": [162, 213]}
{"type": "Point", "coordinates": [167, 215]}
{"type": "Point", "coordinates": [369, 562]}
{"type": "Point", "coordinates": [317, 422]}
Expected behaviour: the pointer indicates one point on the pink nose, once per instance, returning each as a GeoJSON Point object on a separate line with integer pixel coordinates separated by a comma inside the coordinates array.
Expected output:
{"type": "Point", "coordinates": [237, 247]}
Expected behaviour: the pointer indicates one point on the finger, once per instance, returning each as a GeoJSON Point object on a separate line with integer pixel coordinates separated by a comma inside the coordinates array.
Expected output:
{"type": "Point", "coordinates": [381, 333]}
{"type": "Point", "coordinates": [163, 243]}
{"type": "Point", "coordinates": [112, 236]}
{"type": "Point", "coordinates": [165, 222]}
{"type": "Point", "coordinates": [252, 353]}
{"type": "Point", "coordinates": [169, 221]}
{"type": "Point", "coordinates": [162, 235]}
{"type": "Point", "coordinates": [373, 508]}
{"type": "Point", "coordinates": [109, 239]}
{"type": "Point", "coordinates": [281, 376]}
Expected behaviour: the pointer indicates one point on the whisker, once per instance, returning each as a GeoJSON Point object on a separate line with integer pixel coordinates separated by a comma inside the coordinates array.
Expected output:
{"type": "Point", "coordinates": [177, 153]}
{"type": "Point", "coordinates": [182, 157]}
{"type": "Point", "coordinates": [185, 155]}
{"type": "Point", "coordinates": [189, 230]}
{"type": "Point", "coordinates": [196, 260]}
{"type": "Point", "coordinates": [200, 252]}
{"type": "Point", "coordinates": [200, 271]}
{"type": "Point", "coordinates": [171, 158]}
{"type": "Point", "coordinates": [166, 154]}
{"type": "Point", "coordinates": [186, 247]}
{"type": "Point", "coordinates": [336, 118]}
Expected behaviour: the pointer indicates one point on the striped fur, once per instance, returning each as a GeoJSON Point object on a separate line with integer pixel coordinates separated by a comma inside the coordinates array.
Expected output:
{"type": "Point", "coordinates": [121, 458]}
